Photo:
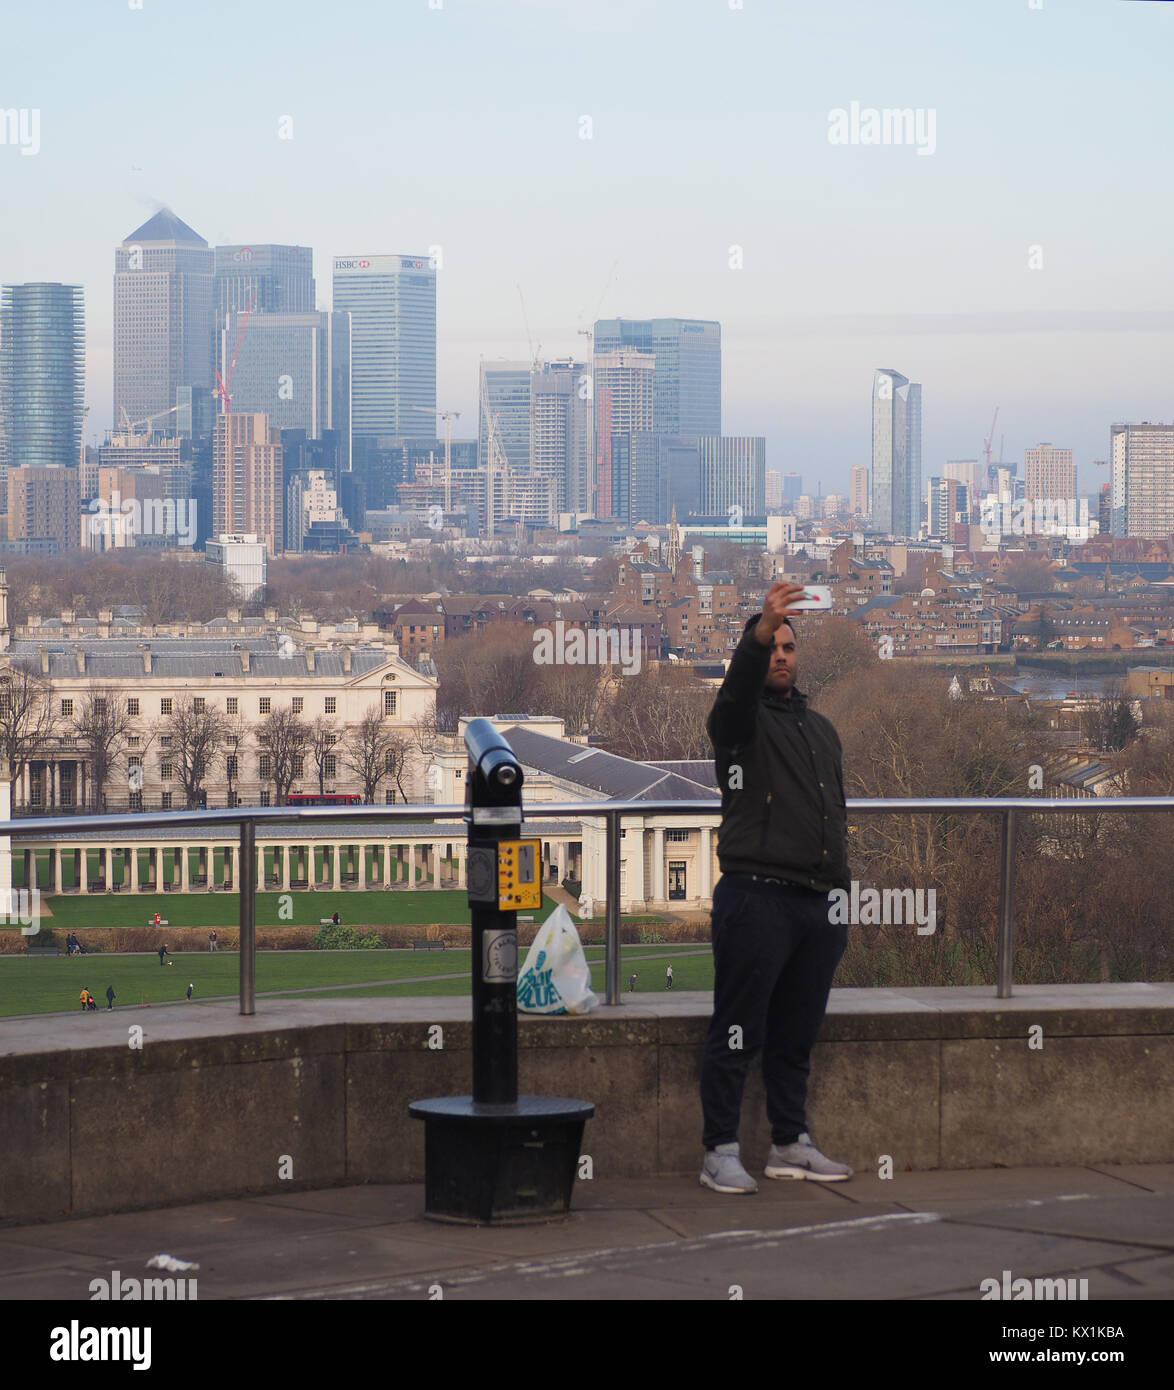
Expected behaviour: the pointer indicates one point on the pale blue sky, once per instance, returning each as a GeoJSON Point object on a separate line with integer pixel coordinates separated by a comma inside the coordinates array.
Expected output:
{"type": "Point", "coordinates": [459, 127]}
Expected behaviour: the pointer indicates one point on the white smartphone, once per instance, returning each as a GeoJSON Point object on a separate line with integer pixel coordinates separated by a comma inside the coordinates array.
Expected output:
{"type": "Point", "coordinates": [814, 597]}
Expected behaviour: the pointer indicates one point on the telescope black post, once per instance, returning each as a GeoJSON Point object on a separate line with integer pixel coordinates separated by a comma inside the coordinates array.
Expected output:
{"type": "Point", "coordinates": [494, 796]}
{"type": "Point", "coordinates": [496, 1156]}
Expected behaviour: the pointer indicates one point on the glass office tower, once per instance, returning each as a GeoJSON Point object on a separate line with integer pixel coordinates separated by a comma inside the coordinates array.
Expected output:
{"type": "Point", "coordinates": [392, 304]}
{"type": "Point", "coordinates": [163, 319]}
{"type": "Point", "coordinates": [687, 390]}
{"type": "Point", "coordinates": [42, 377]}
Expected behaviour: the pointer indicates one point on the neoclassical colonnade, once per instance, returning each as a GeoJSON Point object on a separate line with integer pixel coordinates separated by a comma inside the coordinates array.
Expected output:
{"type": "Point", "coordinates": [663, 863]}
{"type": "Point", "coordinates": [159, 863]}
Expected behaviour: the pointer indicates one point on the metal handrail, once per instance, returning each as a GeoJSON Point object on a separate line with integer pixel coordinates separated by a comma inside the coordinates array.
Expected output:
{"type": "Point", "coordinates": [612, 812]}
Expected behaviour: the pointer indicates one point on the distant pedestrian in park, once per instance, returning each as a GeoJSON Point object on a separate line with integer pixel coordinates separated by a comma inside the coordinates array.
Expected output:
{"type": "Point", "coordinates": [335, 919]}
{"type": "Point", "coordinates": [163, 951]}
{"type": "Point", "coordinates": [156, 920]}
{"type": "Point", "coordinates": [668, 978]}
{"type": "Point", "coordinates": [190, 988]}
{"type": "Point", "coordinates": [84, 997]}
{"type": "Point", "coordinates": [211, 941]}
{"type": "Point", "coordinates": [631, 982]}
{"type": "Point", "coordinates": [109, 996]}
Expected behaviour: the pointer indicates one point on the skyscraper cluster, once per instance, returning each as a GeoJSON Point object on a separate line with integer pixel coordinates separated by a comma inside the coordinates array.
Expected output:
{"type": "Point", "coordinates": [233, 390]}
{"type": "Point", "coordinates": [629, 434]}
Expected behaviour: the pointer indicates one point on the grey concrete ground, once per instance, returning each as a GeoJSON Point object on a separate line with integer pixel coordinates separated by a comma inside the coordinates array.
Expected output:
{"type": "Point", "coordinates": [928, 1235]}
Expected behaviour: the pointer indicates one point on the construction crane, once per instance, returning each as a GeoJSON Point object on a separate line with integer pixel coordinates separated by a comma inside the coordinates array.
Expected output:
{"type": "Point", "coordinates": [591, 482]}
{"type": "Point", "coordinates": [224, 383]}
{"type": "Point", "coordinates": [129, 426]}
{"type": "Point", "coordinates": [535, 354]}
{"type": "Point", "coordinates": [496, 460]}
{"type": "Point", "coordinates": [448, 416]}
{"type": "Point", "coordinates": [986, 449]}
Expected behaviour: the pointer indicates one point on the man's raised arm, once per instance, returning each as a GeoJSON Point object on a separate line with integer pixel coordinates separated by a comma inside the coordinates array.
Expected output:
{"type": "Point", "coordinates": [734, 715]}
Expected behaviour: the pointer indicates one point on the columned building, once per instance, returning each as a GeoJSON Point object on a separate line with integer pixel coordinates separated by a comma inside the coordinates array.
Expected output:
{"type": "Point", "coordinates": [122, 711]}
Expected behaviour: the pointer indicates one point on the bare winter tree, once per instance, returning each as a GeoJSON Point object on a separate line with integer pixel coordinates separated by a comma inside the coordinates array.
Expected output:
{"type": "Point", "coordinates": [657, 715]}
{"type": "Point", "coordinates": [26, 715]}
{"type": "Point", "coordinates": [370, 749]}
{"type": "Point", "coordinates": [323, 742]}
{"type": "Point", "coordinates": [102, 721]}
{"type": "Point", "coordinates": [574, 693]}
{"type": "Point", "coordinates": [284, 738]}
{"type": "Point", "coordinates": [197, 733]}
{"type": "Point", "coordinates": [235, 736]}
{"type": "Point", "coordinates": [422, 738]}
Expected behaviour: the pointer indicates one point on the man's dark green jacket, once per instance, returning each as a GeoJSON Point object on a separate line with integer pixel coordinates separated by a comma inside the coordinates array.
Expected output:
{"type": "Point", "coordinates": [779, 771]}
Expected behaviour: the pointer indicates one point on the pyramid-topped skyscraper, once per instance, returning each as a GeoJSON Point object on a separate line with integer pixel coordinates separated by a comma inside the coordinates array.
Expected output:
{"type": "Point", "coordinates": [163, 320]}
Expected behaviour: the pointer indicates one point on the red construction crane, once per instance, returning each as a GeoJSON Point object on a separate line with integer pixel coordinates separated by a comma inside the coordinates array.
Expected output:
{"type": "Point", "coordinates": [224, 383]}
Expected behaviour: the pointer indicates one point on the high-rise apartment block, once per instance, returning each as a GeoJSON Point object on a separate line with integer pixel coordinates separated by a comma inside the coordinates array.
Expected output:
{"type": "Point", "coordinates": [42, 376]}
{"type": "Point", "coordinates": [623, 390]}
{"type": "Point", "coordinates": [163, 319]}
{"type": "Point", "coordinates": [687, 386]}
{"type": "Point", "coordinates": [733, 475]}
{"type": "Point", "coordinates": [1049, 473]}
{"type": "Point", "coordinates": [968, 471]}
{"type": "Point", "coordinates": [858, 499]}
{"type": "Point", "coordinates": [247, 479]}
{"type": "Point", "coordinates": [44, 510]}
{"type": "Point", "coordinates": [560, 430]}
{"type": "Point", "coordinates": [1141, 462]}
{"type": "Point", "coordinates": [392, 304]}
{"type": "Point", "coordinates": [129, 511]}
{"type": "Point", "coordinates": [947, 506]}
{"type": "Point", "coordinates": [896, 453]}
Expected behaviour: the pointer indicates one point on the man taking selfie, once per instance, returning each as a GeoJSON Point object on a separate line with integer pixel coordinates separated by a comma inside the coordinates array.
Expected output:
{"type": "Point", "coordinates": [781, 847]}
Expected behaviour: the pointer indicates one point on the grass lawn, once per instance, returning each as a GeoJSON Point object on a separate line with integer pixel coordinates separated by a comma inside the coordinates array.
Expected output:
{"type": "Point", "coordinates": [48, 984]}
{"type": "Point", "coordinates": [369, 907]}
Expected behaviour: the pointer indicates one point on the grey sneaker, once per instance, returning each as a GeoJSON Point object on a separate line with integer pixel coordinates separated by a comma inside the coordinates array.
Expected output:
{"type": "Point", "coordinates": [723, 1171]}
{"type": "Point", "coordinates": [803, 1160]}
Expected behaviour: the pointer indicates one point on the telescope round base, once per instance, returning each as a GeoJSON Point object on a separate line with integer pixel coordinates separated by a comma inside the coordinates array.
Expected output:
{"type": "Point", "coordinates": [487, 1164]}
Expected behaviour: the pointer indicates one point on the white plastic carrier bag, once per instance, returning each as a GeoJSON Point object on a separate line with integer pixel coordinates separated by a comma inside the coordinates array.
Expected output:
{"type": "Point", "coordinates": [555, 978]}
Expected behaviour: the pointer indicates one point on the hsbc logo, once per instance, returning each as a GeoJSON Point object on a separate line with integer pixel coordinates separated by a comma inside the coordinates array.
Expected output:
{"type": "Point", "coordinates": [406, 264]}
{"type": "Point", "coordinates": [342, 264]}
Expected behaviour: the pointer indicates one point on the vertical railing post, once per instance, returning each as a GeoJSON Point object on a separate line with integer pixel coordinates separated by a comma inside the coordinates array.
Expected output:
{"type": "Point", "coordinates": [612, 882]}
{"type": "Point", "coordinates": [1006, 952]}
{"type": "Point", "coordinates": [247, 915]}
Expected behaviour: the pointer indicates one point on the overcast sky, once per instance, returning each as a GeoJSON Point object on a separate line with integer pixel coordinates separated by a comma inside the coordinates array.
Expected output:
{"type": "Point", "coordinates": [460, 127]}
